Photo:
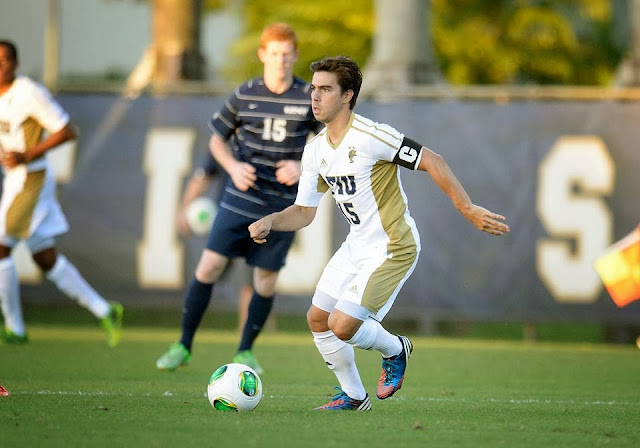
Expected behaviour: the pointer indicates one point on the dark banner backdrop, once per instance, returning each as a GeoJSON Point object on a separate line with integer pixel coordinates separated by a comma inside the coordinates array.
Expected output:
{"type": "Point", "coordinates": [565, 174]}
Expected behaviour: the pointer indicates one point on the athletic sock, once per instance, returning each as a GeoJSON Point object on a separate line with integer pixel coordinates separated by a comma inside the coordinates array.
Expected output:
{"type": "Point", "coordinates": [10, 297]}
{"type": "Point", "coordinates": [195, 304]}
{"type": "Point", "coordinates": [372, 336]}
{"type": "Point", "coordinates": [68, 280]}
{"type": "Point", "coordinates": [259, 309]}
{"type": "Point", "coordinates": [340, 358]}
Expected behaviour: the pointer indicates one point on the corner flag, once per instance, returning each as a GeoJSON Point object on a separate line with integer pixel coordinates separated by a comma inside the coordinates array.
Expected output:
{"type": "Point", "coordinates": [619, 269]}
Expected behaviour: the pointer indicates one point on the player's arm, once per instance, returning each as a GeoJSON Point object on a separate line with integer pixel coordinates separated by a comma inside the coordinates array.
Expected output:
{"type": "Point", "coordinates": [243, 175]}
{"type": "Point", "coordinates": [442, 175]}
{"type": "Point", "coordinates": [13, 158]}
{"type": "Point", "coordinates": [290, 219]}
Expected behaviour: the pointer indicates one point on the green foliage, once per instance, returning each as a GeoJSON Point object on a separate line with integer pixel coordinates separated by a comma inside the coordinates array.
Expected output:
{"type": "Point", "coordinates": [213, 5]}
{"type": "Point", "coordinates": [323, 28]}
{"type": "Point", "coordinates": [525, 41]}
{"type": "Point", "coordinates": [475, 41]}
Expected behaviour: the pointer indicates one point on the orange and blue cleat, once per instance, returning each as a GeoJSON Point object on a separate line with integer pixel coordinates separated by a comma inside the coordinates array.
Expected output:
{"type": "Point", "coordinates": [343, 402]}
{"type": "Point", "coordinates": [393, 369]}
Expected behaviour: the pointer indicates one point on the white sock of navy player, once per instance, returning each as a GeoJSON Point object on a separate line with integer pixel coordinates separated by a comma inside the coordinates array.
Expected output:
{"type": "Point", "coordinates": [372, 336]}
{"type": "Point", "coordinates": [10, 297]}
{"type": "Point", "coordinates": [340, 358]}
{"type": "Point", "coordinates": [68, 280]}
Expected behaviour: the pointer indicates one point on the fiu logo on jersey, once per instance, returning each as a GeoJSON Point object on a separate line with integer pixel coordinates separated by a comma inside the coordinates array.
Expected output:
{"type": "Point", "coordinates": [352, 153]}
{"type": "Point", "coordinates": [296, 110]}
{"type": "Point", "coordinates": [5, 127]}
{"type": "Point", "coordinates": [342, 184]}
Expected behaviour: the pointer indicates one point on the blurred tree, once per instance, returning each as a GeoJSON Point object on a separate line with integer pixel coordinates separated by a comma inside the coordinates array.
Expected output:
{"type": "Point", "coordinates": [629, 71]}
{"type": "Point", "coordinates": [392, 67]}
{"type": "Point", "coordinates": [324, 28]}
{"type": "Point", "coordinates": [474, 41]}
{"type": "Point", "coordinates": [525, 41]}
{"type": "Point", "coordinates": [176, 40]}
{"type": "Point", "coordinates": [174, 52]}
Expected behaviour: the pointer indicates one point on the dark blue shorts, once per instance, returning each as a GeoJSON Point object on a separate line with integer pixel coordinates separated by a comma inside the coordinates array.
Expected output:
{"type": "Point", "coordinates": [229, 236]}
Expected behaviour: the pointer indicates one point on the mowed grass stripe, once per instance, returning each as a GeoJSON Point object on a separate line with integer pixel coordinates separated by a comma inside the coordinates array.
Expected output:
{"type": "Point", "coordinates": [209, 336]}
{"type": "Point", "coordinates": [531, 401]}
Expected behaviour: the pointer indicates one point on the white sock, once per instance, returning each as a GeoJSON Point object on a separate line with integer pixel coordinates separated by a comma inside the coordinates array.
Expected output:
{"type": "Point", "coordinates": [340, 357]}
{"type": "Point", "coordinates": [372, 336]}
{"type": "Point", "coordinates": [10, 297]}
{"type": "Point", "coordinates": [68, 280]}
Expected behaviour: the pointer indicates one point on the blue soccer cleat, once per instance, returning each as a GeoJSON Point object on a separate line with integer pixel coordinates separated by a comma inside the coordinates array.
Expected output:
{"type": "Point", "coordinates": [393, 369]}
{"type": "Point", "coordinates": [343, 402]}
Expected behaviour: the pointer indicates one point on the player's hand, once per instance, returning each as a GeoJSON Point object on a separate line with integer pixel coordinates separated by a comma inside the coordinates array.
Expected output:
{"type": "Point", "coordinates": [260, 229]}
{"type": "Point", "coordinates": [288, 172]}
{"type": "Point", "coordinates": [183, 224]}
{"type": "Point", "coordinates": [10, 159]}
{"type": "Point", "coordinates": [486, 220]}
{"type": "Point", "coordinates": [243, 175]}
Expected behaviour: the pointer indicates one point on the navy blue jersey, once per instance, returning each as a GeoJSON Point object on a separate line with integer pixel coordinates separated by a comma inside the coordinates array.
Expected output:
{"type": "Point", "coordinates": [263, 128]}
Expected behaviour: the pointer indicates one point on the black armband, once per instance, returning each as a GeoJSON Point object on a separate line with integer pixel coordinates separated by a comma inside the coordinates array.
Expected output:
{"type": "Point", "coordinates": [409, 154]}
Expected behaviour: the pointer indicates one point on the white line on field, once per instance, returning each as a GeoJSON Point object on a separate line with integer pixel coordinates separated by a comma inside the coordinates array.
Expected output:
{"type": "Point", "coordinates": [280, 397]}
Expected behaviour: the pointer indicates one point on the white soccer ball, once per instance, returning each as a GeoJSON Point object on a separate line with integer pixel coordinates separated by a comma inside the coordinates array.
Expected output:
{"type": "Point", "coordinates": [200, 215]}
{"type": "Point", "coordinates": [234, 387]}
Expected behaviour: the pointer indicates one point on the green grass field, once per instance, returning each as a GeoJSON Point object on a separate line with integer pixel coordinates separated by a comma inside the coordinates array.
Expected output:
{"type": "Point", "coordinates": [70, 390]}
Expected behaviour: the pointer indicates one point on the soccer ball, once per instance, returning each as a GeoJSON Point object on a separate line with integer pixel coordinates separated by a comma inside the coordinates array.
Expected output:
{"type": "Point", "coordinates": [234, 387]}
{"type": "Point", "coordinates": [200, 215]}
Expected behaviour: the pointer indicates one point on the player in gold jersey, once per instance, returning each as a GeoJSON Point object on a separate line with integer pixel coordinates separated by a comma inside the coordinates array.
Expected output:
{"type": "Point", "coordinates": [29, 210]}
{"type": "Point", "coordinates": [357, 160]}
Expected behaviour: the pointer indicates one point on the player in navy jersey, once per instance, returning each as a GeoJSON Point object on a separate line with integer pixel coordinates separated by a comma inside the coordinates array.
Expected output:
{"type": "Point", "coordinates": [258, 138]}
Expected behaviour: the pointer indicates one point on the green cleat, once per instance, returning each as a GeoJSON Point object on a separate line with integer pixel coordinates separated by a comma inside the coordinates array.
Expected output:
{"type": "Point", "coordinates": [176, 356]}
{"type": "Point", "coordinates": [112, 323]}
{"type": "Point", "coordinates": [9, 337]}
{"type": "Point", "coordinates": [247, 358]}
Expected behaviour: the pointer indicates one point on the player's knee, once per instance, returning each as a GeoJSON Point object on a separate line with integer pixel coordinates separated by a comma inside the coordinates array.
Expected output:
{"type": "Point", "coordinates": [343, 333]}
{"type": "Point", "coordinates": [45, 259]}
{"type": "Point", "coordinates": [4, 251]}
{"type": "Point", "coordinates": [317, 320]}
{"type": "Point", "coordinates": [342, 328]}
{"type": "Point", "coordinates": [265, 282]}
{"type": "Point", "coordinates": [210, 267]}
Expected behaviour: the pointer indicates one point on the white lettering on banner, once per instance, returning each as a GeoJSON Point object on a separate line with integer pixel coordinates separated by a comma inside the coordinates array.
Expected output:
{"type": "Point", "coordinates": [309, 254]}
{"type": "Point", "coordinates": [62, 161]}
{"type": "Point", "coordinates": [572, 179]}
{"type": "Point", "coordinates": [167, 158]}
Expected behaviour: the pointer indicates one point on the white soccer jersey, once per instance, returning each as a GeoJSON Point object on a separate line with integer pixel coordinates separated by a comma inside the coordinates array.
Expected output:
{"type": "Point", "coordinates": [361, 171]}
{"type": "Point", "coordinates": [26, 110]}
{"type": "Point", "coordinates": [29, 209]}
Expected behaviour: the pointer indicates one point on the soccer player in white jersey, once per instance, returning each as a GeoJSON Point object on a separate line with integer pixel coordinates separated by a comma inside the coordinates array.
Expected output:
{"type": "Point", "coordinates": [29, 210]}
{"type": "Point", "coordinates": [357, 160]}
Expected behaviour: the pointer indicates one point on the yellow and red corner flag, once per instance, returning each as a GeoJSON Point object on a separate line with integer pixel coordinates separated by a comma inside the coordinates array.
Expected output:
{"type": "Point", "coordinates": [619, 269]}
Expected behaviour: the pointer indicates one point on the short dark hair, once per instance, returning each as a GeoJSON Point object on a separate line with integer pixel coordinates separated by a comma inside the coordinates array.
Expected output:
{"type": "Point", "coordinates": [347, 70]}
{"type": "Point", "coordinates": [13, 50]}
